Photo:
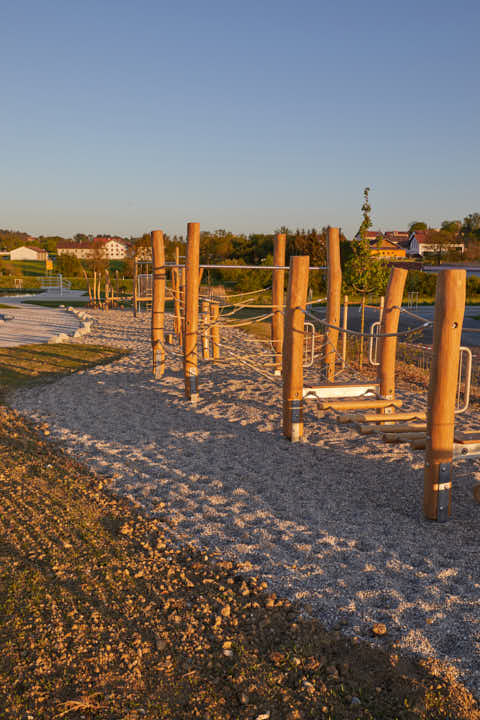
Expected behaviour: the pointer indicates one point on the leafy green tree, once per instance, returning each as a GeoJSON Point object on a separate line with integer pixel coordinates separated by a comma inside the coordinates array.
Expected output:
{"type": "Point", "coordinates": [364, 272]}
{"type": "Point", "coordinates": [417, 225]}
{"type": "Point", "coordinates": [451, 226]}
{"type": "Point", "coordinates": [68, 265]}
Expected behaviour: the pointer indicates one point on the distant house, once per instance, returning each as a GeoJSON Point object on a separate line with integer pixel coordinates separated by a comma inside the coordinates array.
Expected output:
{"type": "Point", "coordinates": [419, 245]}
{"type": "Point", "coordinates": [110, 248]}
{"type": "Point", "coordinates": [28, 253]}
{"type": "Point", "coordinates": [390, 244]}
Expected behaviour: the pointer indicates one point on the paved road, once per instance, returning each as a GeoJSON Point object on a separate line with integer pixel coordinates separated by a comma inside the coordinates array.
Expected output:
{"type": "Point", "coordinates": [427, 312]}
{"type": "Point", "coordinates": [25, 324]}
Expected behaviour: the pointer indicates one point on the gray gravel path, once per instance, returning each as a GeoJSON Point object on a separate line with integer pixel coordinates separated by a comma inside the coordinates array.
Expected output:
{"type": "Point", "coordinates": [335, 521]}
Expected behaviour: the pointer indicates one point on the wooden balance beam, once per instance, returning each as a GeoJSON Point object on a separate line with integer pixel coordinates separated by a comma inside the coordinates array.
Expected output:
{"type": "Point", "coordinates": [380, 418]}
{"type": "Point", "coordinates": [370, 429]}
{"type": "Point", "coordinates": [403, 436]}
{"type": "Point", "coordinates": [341, 390]}
{"type": "Point", "coordinates": [339, 405]}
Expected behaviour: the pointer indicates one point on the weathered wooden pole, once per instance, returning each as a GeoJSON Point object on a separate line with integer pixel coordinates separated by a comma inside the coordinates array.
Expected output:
{"type": "Point", "coordinates": [205, 330]}
{"type": "Point", "coordinates": [192, 277]}
{"type": "Point", "coordinates": [215, 329]}
{"type": "Point", "coordinates": [176, 297]}
{"type": "Point", "coordinates": [94, 288]}
{"type": "Point", "coordinates": [135, 283]}
{"type": "Point", "coordinates": [117, 284]}
{"type": "Point", "coordinates": [334, 289]}
{"type": "Point", "coordinates": [292, 369]}
{"type": "Point", "coordinates": [344, 334]}
{"type": "Point", "coordinates": [182, 302]}
{"type": "Point", "coordinates": [159, 279]}
{"type": "Point", "coordinates": [442, 393]}
{"type": "Point", "coordinates": [388, 345]}
{"type": "Point", "coordinates": [278, 284]}
{"type": "Point", "coordinates": [362, 329]}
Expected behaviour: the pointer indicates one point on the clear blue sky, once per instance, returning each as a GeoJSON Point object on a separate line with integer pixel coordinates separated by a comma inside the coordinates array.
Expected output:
{"type": "Point", "coordinates": [121, 116]}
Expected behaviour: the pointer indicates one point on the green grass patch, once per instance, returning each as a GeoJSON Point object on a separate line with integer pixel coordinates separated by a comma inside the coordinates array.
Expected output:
{"type": "Point", "coordinates": [29, 364]}
{"type": "Point", "coordinates": [30, 267]}
{"type": "Point", "coordinates": [56, 303]}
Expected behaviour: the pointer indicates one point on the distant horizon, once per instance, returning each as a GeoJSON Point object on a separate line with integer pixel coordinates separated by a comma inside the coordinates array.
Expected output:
{"type": "Point", "coordinates": [233, 232]}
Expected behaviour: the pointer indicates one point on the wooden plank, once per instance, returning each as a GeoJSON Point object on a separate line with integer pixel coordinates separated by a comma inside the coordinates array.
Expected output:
{"type": "Point", "coordinates": [403, 437]}
{"type": "Point", "coordinates": [339, 405]}
{"type": "Point", "coordinates": [378, 418]}
{"type": "Point", "coordinates": [325, 392]}
{"type": "Point", "coordinates": [466, 437]}
{"type": "Point", "coordinates": [368, 429]}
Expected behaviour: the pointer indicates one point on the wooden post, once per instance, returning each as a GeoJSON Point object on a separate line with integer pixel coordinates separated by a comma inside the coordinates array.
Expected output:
{"type": "Point", "coordinates": [117, 284]}
{"type": "Point", "coordinates": [214, 329]}
{"type": "Point", "coordinates": [334, 288]}
{"type": "Point", "coordinates": [182, 303]}
{"type": "Point", "coordinates": [278, 284]}
{"type": "Point", "coordinates": [94, 288]}
{"type": "Point", "coordinates": [159, 279]}
{"type": "Point", "coordinates": [388, 345]}
{"type": "Point", "coordinates": [344, 335]}
{"type": "Point", "coordinates": [442, 393]}
{"type": "Point", "coordinates": [292, 369]}
{"type": "Point", "coordinates": [192, 278]}
{"type": "Point", "coordinates": [135, 282]}
{"type": "Point", "coordinates": [205, 330]}
{"type": "Point", "coordinates": [362, 329]}
{"type": "Point", "coordinates": [176, 297]}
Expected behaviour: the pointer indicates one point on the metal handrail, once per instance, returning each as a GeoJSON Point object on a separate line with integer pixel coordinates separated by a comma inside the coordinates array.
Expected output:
{"type": "Point", "coordinates": [468, 380]}
{"type": "Point", "coordinates": [373, 339]}
{"type": "Point", "coordinates": [309, 363]}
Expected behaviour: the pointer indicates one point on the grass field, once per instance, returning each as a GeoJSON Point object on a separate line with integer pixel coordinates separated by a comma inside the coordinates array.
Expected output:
{"type": "Point", "coordinates": [30, 267]}
{"type": "Point", "coordinates": [28, 364]}
{"type": "Point", "coordinates": [103, 616]}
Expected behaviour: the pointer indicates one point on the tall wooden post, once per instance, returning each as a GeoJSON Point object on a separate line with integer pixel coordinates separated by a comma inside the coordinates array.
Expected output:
{"type": "Point", "coordinates": [278, 284]}
{"type": "Point", "coordinates": [205, 330]}
{"type": "Point", "coordinates": [176, 297]}
{"type": "Point", "coordinates": [135, 283]}
{"type": "Point", "coordinates": [292, 369]}
{"type": "Point", "coordinates": [344, 334]}
{"type": "Point", "coordinates": [192, 276]}
{"type": "Point", "coordinates": [94, 288]}
{"type": "Point", "coordinates": [117, 285]}
{"type": "Point", "coordinates": [442, 393]}
{"type": "Point", "coordinates": [214, 329]}
{"type": "Point", "coordinates": [388, 345]}
{"type": "Point", "coordinates": [362, 330]}
{"type": "Point", "coordinates": [159, 279]}
{"type": "Point", "coordinates": [334, 289]}
{"type": "Point", "coordinates": [182, 303]}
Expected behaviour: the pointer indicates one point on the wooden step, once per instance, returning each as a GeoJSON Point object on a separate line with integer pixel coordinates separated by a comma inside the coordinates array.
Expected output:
{"type": "Point", "coordinates": [339, 405]}
{"type": "Point", "coordinates": [341, 390]}
{"type": "Point", "coordinates": [381, 417]}
{"type": "Point", "coordinates": [370, 429]}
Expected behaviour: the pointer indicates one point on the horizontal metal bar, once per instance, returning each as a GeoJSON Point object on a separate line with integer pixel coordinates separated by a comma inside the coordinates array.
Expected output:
{"type": "Point", "coordinates": [247, 267]}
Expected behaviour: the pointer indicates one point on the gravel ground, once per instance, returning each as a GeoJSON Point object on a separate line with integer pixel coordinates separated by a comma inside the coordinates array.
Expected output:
{"type": "Point", "coordinates": [335, 521]}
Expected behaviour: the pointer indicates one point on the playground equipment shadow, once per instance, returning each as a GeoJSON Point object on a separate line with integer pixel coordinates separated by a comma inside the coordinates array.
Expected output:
{"type": "Point", "coordinates": [335, 522]}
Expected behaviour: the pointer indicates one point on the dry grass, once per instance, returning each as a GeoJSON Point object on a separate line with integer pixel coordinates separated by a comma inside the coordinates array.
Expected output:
{"type": "Point", "coordinates": [103, 615]}
{"type": "Point", "coordinates": [27, 364]}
